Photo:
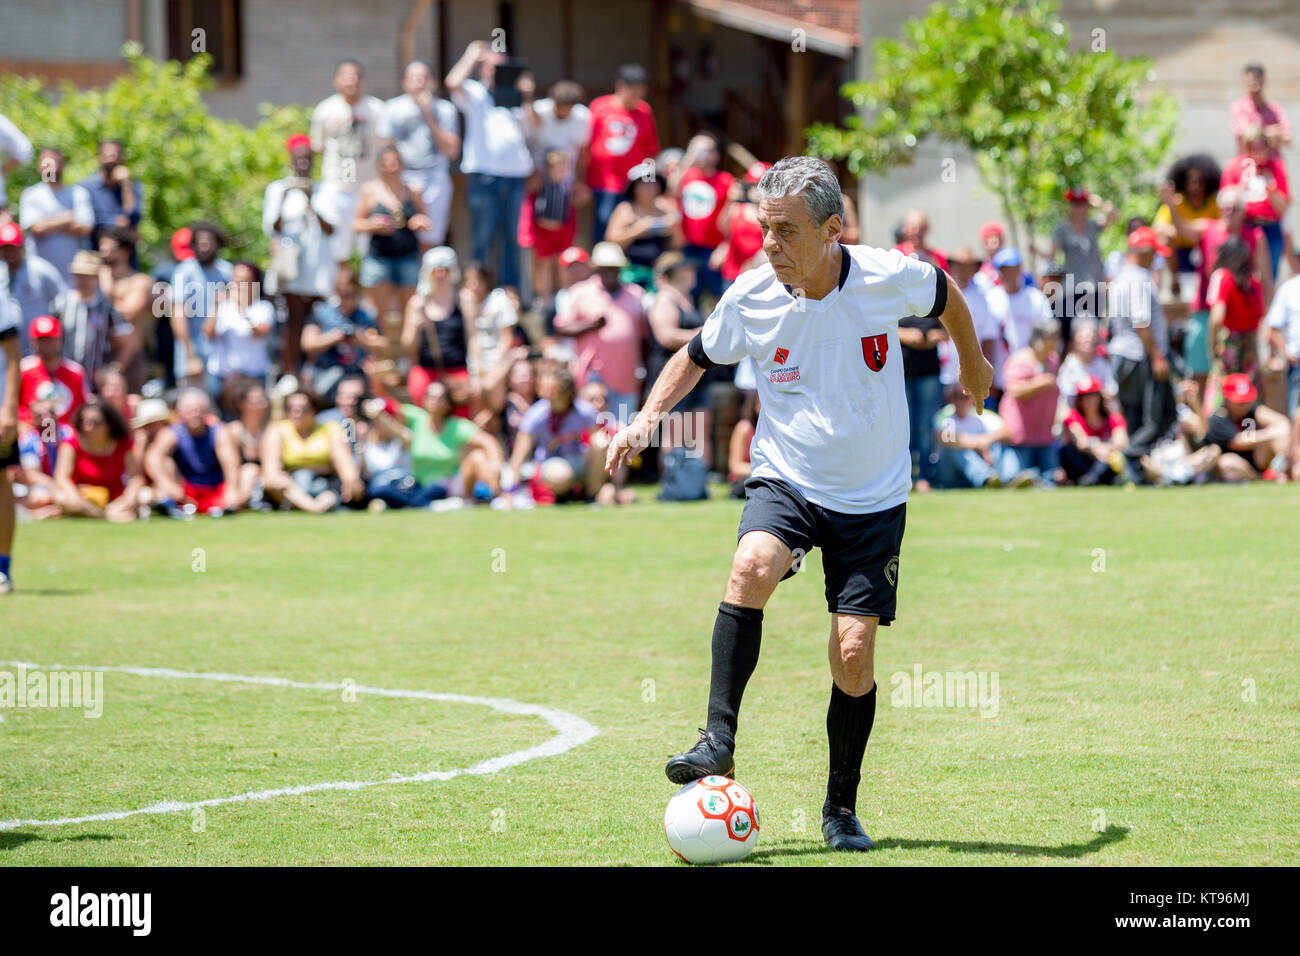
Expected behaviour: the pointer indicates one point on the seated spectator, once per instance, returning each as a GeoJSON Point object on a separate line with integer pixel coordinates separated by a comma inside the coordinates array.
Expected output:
{"type": "Point", "coordinates": [1254, 440]}
{"type": "Point", "coordinates": [1092, 449]}
{"type": "Point", "coordinates": [548, 220]}
{"type": "Point", "coordinates": [1029, 405]}
{"type": "Point", "coordinates": [38, 454]}
{"type": "Point", "coordinates": [56, 216]}
{"type": "Point", "coordinates": [340, 337]}
{"type": "Point", "coordinates": [972, 447]}
{"type": "Point", "coordinates": [491, 318]}
{"type": "Point", "coordinates": [434, 332]}
{"type": "Point", "coordinates": [111, 387]}
{"type": "Point", "coordinates": [151, 417]}
{"type": "Point", "coordinates": [240, 329]}
{"type": "Point", "coordinates": [1236, 302]}
{"type": "Point", "coordinates": [47, 374]}
{"type": "Point", "coordinates": [449, 457]}
{"type": "Point", "coordinates": [560, 438]}
{"type": "Point", "coordinates": [1082, 362]}
{"type": "Point", "coordinates": [308, 464]}
{"type": "Point", "coordinates": [196, 462]}
{"type": "Point", "coordinates": [249, 426]}
{"type": "Point", "coordinates": [92, 329]}
{"type": "Point", "coordinates": [646, 224]}
{"type": "Point", "coordinates": [391, 213]}
{"type": "Point", "coordinates": [98, 473]}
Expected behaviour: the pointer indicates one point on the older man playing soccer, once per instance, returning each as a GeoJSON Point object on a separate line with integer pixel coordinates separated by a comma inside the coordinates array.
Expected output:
{"type": "Point", "coordinates": [831, 466]}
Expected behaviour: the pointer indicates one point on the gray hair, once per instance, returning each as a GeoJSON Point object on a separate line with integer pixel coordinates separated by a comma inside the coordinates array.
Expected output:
{"type": "Point", "coordinates": [195, 393]}
{"type": "Point", "coordinates": [806, 176]}
{"type": "Point", "coordinates": [1044, 329]}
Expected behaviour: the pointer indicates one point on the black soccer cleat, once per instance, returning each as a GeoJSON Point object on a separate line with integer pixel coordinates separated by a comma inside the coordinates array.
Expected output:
{"type": "Point", "coordinates": [708, 756]}
{"type": "Point", "coordinates": [842, 830]}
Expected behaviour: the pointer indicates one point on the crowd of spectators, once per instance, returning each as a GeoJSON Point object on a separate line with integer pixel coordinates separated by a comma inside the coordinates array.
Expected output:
{"type": "Point", "coordinates": [364, 365]}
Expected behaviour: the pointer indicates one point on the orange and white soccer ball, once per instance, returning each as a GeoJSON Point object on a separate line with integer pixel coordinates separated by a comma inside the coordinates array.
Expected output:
{"type": "Point", "coordinates": [712, 820]}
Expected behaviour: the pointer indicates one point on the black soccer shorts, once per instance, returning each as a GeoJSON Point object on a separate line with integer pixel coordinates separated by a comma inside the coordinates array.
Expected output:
{"type": "Point", "coordinates": [859, 552]}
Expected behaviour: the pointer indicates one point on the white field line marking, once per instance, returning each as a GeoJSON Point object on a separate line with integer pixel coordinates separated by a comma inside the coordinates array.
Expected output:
{"type": "Point", "coordinates": [573, 731]}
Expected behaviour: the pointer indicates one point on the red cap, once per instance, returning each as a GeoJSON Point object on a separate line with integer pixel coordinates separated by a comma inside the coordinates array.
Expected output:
{"type": "Point", "coordinates": [1090, 385]}
{"type": "Point", "coordinates": [992, 227]}
{"type": "Point", "coordinates": [756, 171]}
{"type": "Point", "coordinates": [1144, 236]}
{"type": "Point", "coordinates": [574, 254]}
{"type": "Point", "coordinates": [182, 240]}
{"type": "Point", "coordinates": [1076, 195]}
{"type": "Point", "coordinates": [1238, 387]}
{"type": "Point", "coordinates": [10, 234]}
{"type": "Point", "coordinates": [297, 141]}
{"type": "Point", "coordinates": [45, 327]}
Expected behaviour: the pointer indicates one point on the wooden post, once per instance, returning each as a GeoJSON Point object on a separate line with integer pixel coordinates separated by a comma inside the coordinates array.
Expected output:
{"type": "Point", "coordinates": [661, 70]}
{"type": "Point", "coordinates": [796, 100]}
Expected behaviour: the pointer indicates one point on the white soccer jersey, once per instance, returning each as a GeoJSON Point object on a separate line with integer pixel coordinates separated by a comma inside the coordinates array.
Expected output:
{"type": "Point", "coordinates": [830, 376]}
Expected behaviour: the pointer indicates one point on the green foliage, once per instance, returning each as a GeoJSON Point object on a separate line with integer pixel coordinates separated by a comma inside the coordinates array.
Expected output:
{"type": "Point", "coordinates": [191, 164]}
{"type": "Point", "coordinates": [1000, 78]}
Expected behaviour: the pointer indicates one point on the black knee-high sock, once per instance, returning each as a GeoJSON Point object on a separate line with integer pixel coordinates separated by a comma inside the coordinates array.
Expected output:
{"type": "Point", "coordinates": [737, 634]}
{"type": "Point", "coordinates": [848, 725]}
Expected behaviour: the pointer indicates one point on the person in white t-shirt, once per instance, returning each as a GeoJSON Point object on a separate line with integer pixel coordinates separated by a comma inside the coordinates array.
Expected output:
{"type": "Point", "coordinates": [57, 216]}
{"type": "Point", "coordinates": [1017, 305]}
{"type": "Point", "coordinates": [830, 460]}
{"type": "Point", "coordinates": [560, 121]}
{"type": "Point", "coordinates": [1283, 321]}
{"type": "Point", "coordinates": [345, 132]}
{"type": "Point", "coordinates": [426, 131]}
{"type": "Point", "coordinates": [241, 328]}
{"type": "Point", "coordinates": [15, 151]}
{"type": "Point", "coordinates": [965, 266]}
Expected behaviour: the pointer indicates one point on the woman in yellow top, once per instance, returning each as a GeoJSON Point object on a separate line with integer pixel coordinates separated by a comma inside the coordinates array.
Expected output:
{"type": "Point", "coordinates": [307, 464]}
{"type": "Point", "coordinates": [1196, 180]}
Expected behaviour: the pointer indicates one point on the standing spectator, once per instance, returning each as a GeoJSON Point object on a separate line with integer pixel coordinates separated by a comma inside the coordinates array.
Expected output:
{"type": "Point", "coordinates": [1017, 306]}
{"type": "Point", "coordinates": [344, 130]}
{"type": "Point", "coordinates": [98, 472]}
{"type": "Point", "coordinates": [1256, 110]}
{"type": "Point", "coordinates": [547, 223]}
{"type": "Point", "coordinates": [46, 374]}
{"type": "Point", "coordinates": [1093, 443]}
{"type": "Point", "coordinates": [1261, 174]}
{"type": "Point", "coordinates": [495, 158]}
{"type": "Point", "coordinates": [920, 338]}
{"type": "Point", "coordinates": [307, 464]}
{"type": "Point", "coordinates": [239, 330]}
{"type": "Point", "coordinates": [967, 272]}
{"type": "Point", "coordinates": [426, 131]}
{"type": "Point", "coordinates": [116, 198]}
{"type": "Point", "coordinates": [916, 230]}
{"type": "Point", "coordinates": [10, 385]}
{"type": "Point", "coordinates": [1083, 362]}
{"type": "Point", "coordinates": [605, 316]}
{"type": "Point", "coordinates": [972, 447]}
{"type": "Point", "coordinates": [195, 285]}
{"type": "Point", "coordinates": [94, 332]}
{"type": "Point", "coordinates": [296, 222]}
{"type": "Point", "coordinates": [1283, 322]}
{"type": "Point", "coordinates": [134, 300]}
{"type": "Point", "coordinates": [562, 122]}
{"type": "Point", "coordinates": [340, 336]}
{"type": "Point", "coordinates": [739, 224]}
{"type": "Point", "coordinates": [1236, 303]}
{"type": "Point", "coordinates": [704, 190]}
{"type": "Point", "coordinates": [646, 224]}
{"type": "Point", "coordinates": [162, 347]}
{"type": "Point", "coordinates": [15, 151]}
{"type": "Point", "coordinates": [623, 135]}
{"type": "Point", "coordinates": [1253, 438]}
{"type": "Point", "coordinates": [575, 267]}
{"type": "Point", "coordinates": [391, 213]}
{"type": "Point", "coordinates": [993, 236]}
{"type": "Point", "coordinates": [434, 332]}
{"type": "Point", "coordinates": [674, 321]}
{"type": "Point", "coordinates": [1028, 407]}
{"type": "Point", "coordinates": [33, 283]}
{"type": "Point", "coordinates": [1139, 346]}
{"type": "Point", "coordinates": [1078, 239]}
{"type": "Point", "coordinates": [196, 462]}
{"type": "Point", "coordinates": [56, 215]}
{"type": "Point", "coordinates": [1196, 182]}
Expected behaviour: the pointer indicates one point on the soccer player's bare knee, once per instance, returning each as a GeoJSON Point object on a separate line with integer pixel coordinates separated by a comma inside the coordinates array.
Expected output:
{"type": "Point", "coordinates": [756, 568]}
{"type": "Point", "coordinates": [852, 653]}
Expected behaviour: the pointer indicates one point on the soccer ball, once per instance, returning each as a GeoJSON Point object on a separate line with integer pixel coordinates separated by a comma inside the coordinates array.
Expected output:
{"type": "Point", "coordinates": [712, 820]}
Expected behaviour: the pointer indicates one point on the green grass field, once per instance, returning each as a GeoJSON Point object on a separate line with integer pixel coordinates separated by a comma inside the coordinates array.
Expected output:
{"type": "Point", "coordinates": [1145, 645]}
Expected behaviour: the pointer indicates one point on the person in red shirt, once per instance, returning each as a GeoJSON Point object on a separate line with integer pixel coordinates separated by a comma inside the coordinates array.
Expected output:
{"type": "Point", "coordinates": [623, 134]}
{"type": "Point", "coordinates": [916, 225]}
{"type": "Point", "coordinates": [1261, 175]}
{"type": "Point", "coordinates": [1095, 439]}
{"type": "Point", "coordinates": [47, 374]}
{"type": "Point", "coordinates": [1236, 303]}
{"type": "Point", "coordinates": [739, 223]}
{"type": "Point", "coordinates": [97, 472]}
{"type": "Point", "coordinates": [704, 190]}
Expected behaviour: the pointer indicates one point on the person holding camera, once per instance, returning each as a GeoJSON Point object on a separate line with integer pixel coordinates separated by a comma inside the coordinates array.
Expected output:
{"type": "Point", "coordinates": [340, 336]}
{"type": "Point", "coordinates": [116, 198]}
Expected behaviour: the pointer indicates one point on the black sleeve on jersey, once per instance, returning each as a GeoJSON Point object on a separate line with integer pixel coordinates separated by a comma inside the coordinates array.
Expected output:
{"type": "Point", "coordinates": [940, 294]}
{"type": "Point", "coordinates": [695, 351]}
{"type": "Point", "coordinates": [11, 332]}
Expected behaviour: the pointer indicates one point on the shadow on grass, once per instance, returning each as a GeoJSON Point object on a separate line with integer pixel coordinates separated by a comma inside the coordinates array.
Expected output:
{"type": "Point", "coordinates": [12, 839]}
{"type": "Point", "coordinates": [804, 848]}
{"type": "Point", "coordinates": [49, 592]}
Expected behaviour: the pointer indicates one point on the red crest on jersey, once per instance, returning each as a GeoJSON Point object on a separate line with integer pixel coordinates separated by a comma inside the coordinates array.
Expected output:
{"type": "Point", "coordinates": [780, 356]}
{"type": "Point", "coordinates": [874, 350]}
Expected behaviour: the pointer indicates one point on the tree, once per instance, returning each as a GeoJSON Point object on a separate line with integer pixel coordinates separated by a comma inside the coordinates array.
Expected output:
{"type": "Point", "coordinates": [1000, 78]}
{"type": "Point", "coordinates": [191, 164]}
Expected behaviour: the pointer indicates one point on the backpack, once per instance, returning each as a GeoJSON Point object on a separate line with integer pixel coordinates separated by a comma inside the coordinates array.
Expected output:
{"type": "Point", "coordinates": [685, 477]}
